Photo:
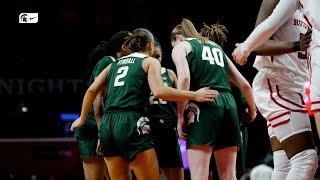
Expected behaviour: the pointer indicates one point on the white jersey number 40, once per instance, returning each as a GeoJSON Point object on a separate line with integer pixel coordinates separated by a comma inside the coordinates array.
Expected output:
{"type": "Point", "coordinates": [214, 56]}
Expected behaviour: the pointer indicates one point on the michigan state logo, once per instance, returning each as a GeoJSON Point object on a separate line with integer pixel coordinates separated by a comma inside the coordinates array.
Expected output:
{"type": "Point", "coordinates": [28, 18]}
{"type": "Point", "coordinates": [192, 113]}
{"type": "Point", "coordinates": [143, 125]}
{"type": "Point", "coordinates": [23, 18]}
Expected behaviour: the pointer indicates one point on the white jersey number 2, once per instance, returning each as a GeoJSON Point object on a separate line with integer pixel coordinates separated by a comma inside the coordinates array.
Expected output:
{"type": "Point", "coordinates": [122, 73]}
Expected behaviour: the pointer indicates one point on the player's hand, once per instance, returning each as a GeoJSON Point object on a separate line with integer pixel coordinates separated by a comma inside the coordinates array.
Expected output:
{"type": "Point", "coordinates": [305, 40]}
{"type": "Point", "coordinates": [98, 147]}
{"type": "Point", "coordinates": [238, 56]}
{"type": "Point", "coordinates": [251, 116]}
{"type": "Point", "coordinates": [181, 128]}
{"type": "Point", "coordinates": [77, 123]}
{"type": "Point", "coordinates": [206, 94]}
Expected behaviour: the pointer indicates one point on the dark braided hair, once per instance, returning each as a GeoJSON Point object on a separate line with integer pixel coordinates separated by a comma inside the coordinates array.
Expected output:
{"type": "Point", "coordinates": [216, 33]}
{"type": "Point", "coordinates": [109, 48]}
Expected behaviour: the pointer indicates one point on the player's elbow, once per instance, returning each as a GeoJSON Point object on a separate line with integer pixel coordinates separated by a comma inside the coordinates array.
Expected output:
{"type": "Point", "coordinates": [184, 81]}
{"type": "Point", "coordinates": [246, 87]}
{"type": "Point", "coordinates": [159, 92]}
{"type": "Point", "coordinates": [91, 92]}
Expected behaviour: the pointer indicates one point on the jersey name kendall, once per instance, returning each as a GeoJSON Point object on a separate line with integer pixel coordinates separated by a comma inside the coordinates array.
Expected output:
{"type": "Point", "coordinates": [126, 61]}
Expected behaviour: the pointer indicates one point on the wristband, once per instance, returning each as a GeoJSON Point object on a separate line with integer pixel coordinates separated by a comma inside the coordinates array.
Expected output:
{"type": "Point", "coordinates": [296, 46]}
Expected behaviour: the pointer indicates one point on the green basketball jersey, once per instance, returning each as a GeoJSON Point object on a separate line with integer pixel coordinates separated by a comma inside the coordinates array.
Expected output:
{"type": "Point", "coordinates": [208, 66]}
{"type": "Point", "coordinates": [160, 109]}
{"type": "Point", "coordinates": [127, 87]}
{"type": "Point", "coordinates": [91, 121]}
{"type": "Point", "coordinates": [100, 66]}
{"type": "Point", "coordinates": [241, 104]}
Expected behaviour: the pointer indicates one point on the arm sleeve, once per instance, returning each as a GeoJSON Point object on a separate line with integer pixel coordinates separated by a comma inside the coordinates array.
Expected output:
{"type": "Point", "coordinates": [283, 11]}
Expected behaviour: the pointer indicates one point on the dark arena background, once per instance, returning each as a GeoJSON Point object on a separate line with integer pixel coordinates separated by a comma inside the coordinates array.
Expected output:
{"type": "Point", "coordinates": [43, 65]}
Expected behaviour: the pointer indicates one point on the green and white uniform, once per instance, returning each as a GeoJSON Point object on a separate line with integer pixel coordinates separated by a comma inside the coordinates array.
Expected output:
{"type": "Point", "coordinates": [124, 129]}
{"type": "Point", "coordinates": [87, 135]}
{"type": "Point", "coordinates": [163, 121]}
{"type": "Point", "coordinates": [211, 123]}
{"type": "Point", "coordinates": [241, 155]}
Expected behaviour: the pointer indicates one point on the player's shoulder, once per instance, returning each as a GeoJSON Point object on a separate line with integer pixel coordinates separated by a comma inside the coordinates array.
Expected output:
{"type": "Point", "coordinates": [106, 60]}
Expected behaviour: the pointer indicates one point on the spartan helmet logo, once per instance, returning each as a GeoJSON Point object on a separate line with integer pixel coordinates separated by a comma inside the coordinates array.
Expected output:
{"type": "Point", "coordinates": [24, 18]}
{"type": "Point", "coordinates": [143, 125]}
{"type": "Point", "coordinates": [28, 18]}
{"type": "Point", "coordinates": [192, 113]}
